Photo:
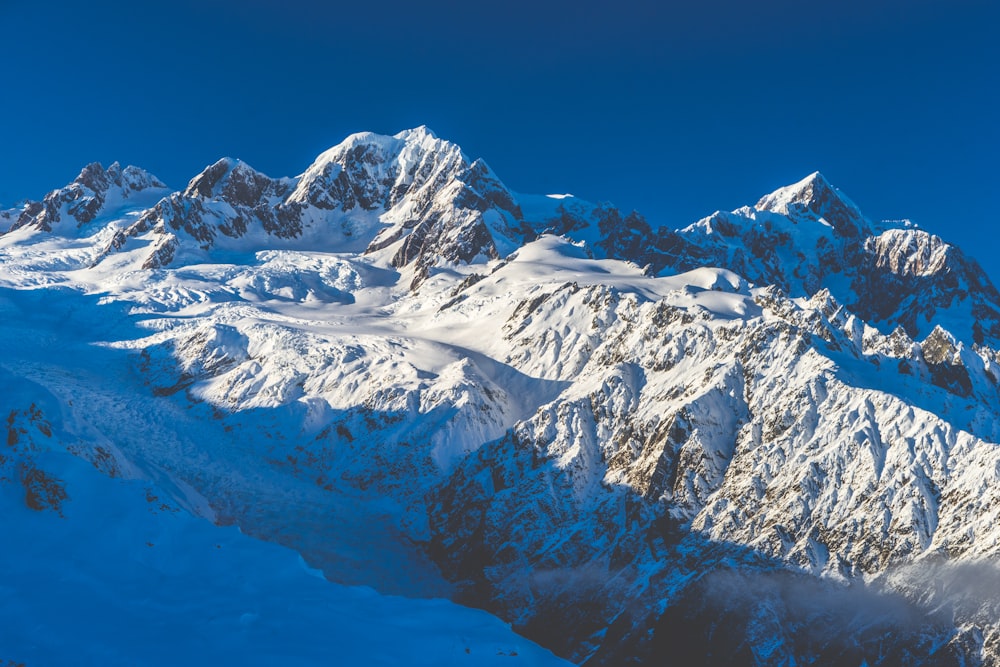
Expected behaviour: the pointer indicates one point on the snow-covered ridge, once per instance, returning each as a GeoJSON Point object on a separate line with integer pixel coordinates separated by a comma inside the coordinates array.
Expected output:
{"type": "Point", "coordinates": [95, 192]}
{"type": "Point", "coordinates": [421, 203]}
{"type": "Point", "coordinates": [585, 423]}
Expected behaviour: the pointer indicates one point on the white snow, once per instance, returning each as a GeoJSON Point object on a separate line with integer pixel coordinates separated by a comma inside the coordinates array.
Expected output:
{"type": "Point", "coordinates": [125, 576]}
{"type": "Point", "coordinates": [303, 391]}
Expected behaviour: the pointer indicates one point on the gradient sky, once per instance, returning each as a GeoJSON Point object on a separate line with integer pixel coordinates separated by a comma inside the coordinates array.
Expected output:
{"type": "Point", "coordinates": [674, 109]}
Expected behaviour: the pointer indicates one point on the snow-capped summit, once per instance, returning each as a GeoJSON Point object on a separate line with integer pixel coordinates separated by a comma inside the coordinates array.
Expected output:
{"type": "Point", "coordinates": [813, 198]}
{"type": "Point", "coordinates": [810, 236]}
{"type": "Point", "coordinates": [412, 197]}
{"type": "Point", "coordinates": [95, 191]}
{"type": "Point", "coordinates": [371, 171]}
{"type": "Point", "coordinates": [420, 133]}
{"type": "Point", "coordinates": [233, 181]}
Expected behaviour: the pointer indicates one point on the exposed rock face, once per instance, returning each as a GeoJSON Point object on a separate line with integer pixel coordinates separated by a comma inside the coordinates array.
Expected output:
{"type": "Point", "coordinates": [86, 197]}
{"type": "Point", "coordinates": [913, 277]}
{"type": "Point", "coordinates": [19, 464]}
{"type": "Point", "coordinates": [769, 459]}
{"type": "Point", "coordinates": [413, 193]}
{"type": "Point", "coordinates": [227, 198]}
{"type": "Point", "coordinates": [421, 201]}
{"type": "Point", "coordinates": [682, 428]}
{"type": "Point", "coordinates": [809, 236]}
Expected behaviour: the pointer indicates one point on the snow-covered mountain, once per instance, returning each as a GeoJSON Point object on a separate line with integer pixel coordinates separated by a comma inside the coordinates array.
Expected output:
{"type": "Point", "coordinates": [809, 236]}
{"type": "Point", "coordinates": [414, 198]}
{"type": "Point", "coordinates": [768, 437]}
{"type": "Point", "coordinates": [96, 191]}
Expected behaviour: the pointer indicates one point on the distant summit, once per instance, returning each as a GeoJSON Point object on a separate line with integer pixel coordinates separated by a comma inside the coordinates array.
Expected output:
{"type": "Point", "coordinates": [95, 191]}
{"type": "Point", "coordinates": [813, 198]}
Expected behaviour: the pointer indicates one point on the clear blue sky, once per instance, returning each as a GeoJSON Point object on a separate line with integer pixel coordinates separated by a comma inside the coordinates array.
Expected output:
{"type": "Point", "coordinates": [672, 108]}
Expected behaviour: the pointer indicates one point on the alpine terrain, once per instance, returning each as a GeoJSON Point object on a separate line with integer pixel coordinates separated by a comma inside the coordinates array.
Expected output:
{"type": "Point", "coordinates": [767, 438]}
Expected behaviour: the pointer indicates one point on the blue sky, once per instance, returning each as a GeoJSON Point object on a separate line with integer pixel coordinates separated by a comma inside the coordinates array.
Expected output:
{"type": "Point", "coordinates": [674, 109]}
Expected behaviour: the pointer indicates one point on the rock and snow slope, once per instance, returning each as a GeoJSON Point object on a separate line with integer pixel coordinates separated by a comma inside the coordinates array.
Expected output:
{"type": "Point", "coordinates": [103, 571]}
{"type": "Point", "coordinates": [111, 559]}
{"type": "Point", "coordinates": [754, 439]}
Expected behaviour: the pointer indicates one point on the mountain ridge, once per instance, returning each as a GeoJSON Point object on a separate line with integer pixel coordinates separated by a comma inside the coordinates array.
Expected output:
{"type": "Point", "coordinates": [582, 421]}
{"type": "Point", "coordinates": [422, 200]}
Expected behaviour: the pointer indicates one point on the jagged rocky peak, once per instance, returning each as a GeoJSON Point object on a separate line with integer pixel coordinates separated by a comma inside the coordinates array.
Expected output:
{"type": "Point", "coordinates": [940, 347]}
{"type": "Point", "coordinates": [373, 171]}
{"type": "Point", "coordinates": [135, 179]}
{"type": "Point", "coordinates": [418, 133]}
{"type": "Point", "coordinates": [86, 196]}
{"type": "Point", "coordinates": [412, 194]}
{"type": "Point", "coordinates": [130, 179]}
{"type": "Point", "coordinates": [233, 181]}
{"type": "Point", "coordinates": [809, 235]}
{"type": "Point", "coordinates": [814, 199]}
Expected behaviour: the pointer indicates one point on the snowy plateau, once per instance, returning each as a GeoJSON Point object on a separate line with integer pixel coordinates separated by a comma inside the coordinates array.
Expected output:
{"type": "Point", "coordinates": [392, 412]}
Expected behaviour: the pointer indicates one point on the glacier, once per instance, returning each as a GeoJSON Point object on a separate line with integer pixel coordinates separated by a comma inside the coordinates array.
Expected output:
{"type": "Point", "coordinates": [767, 437]}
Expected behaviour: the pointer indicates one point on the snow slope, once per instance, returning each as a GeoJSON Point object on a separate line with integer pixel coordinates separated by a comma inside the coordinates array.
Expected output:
{"type": "Point", "coordinates": [104, 566]}
{"type": "Point", "coordinates": [427, 384]}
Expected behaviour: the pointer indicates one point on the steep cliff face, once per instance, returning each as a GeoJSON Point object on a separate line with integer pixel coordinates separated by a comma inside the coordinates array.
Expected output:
{"type": "Point", "coordinates": [752, 440]}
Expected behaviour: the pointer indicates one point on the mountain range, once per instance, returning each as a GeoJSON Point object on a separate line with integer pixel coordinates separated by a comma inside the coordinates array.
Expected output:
{"type": "Point", "coordinates": [766, 438]}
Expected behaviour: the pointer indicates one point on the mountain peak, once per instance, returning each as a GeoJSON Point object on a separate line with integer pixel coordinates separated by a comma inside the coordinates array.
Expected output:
{"type": "Point", "coordinates": [371, 144]}
{"type": "Point", "coordinates": [417, 133]}
{"type": "Point", "coordinates": [374, 170]}
{"type": "Point", "coordinates": [231, 177]}
{"type": "Point", "coordinates": [131, 179]}
{"type": "Point", "coordinates": [814, 198]}
{"type": "Point", "coordinates": [365, 141]}
{"type": "Point", "coordinates": [89, 172]}
{"type": "Point", "coordinates": [806, 191]}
